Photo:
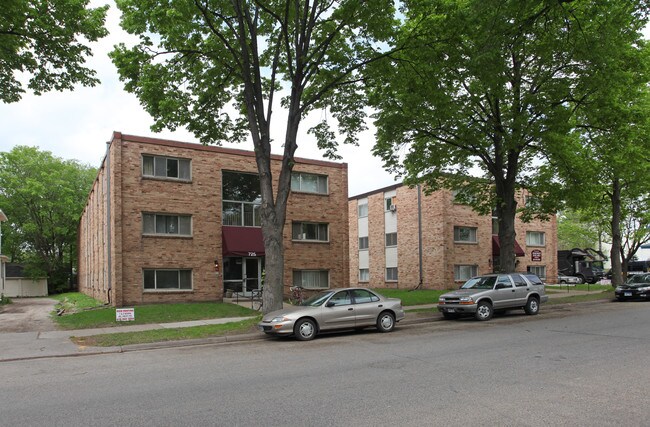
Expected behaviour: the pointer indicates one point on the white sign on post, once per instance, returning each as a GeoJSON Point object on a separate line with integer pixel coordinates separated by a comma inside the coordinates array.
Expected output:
{"type": "Point", "coordinates": [124, 314]}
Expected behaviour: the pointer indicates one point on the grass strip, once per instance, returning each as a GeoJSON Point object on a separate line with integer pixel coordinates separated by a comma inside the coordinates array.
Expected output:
{"type": "Point", "coordinates": [161, 335]}
{"type": "Point", "coordinates": [608, 294]}
{"type": "Point", "coordinates": [413, 297]}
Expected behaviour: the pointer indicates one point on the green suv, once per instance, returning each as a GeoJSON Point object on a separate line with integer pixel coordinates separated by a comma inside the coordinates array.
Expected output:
{"type": "Point", "coordinates": [480, 296]}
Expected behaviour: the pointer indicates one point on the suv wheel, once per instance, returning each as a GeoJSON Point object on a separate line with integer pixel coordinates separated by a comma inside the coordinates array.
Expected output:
{"type": "Point", "coordinates": [532, 306]}
{"type": "Point", "coordinates": [484, 311]}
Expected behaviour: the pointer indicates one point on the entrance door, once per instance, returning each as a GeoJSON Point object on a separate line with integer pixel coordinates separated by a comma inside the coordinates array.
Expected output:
{"type": "Point", "coordinates": [252, 274]}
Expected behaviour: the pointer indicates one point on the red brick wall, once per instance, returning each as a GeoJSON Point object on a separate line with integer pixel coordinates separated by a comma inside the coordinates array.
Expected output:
{"type": "Point", "coordinates": [439, 251]}
{"type": "Point", "coordinates": [132, 194]}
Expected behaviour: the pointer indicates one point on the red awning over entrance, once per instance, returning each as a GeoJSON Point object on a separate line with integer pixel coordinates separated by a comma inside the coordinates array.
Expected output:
{"type": "Point", "coordinates": [496, 247]}
{"type": "Point", "coordinates": [242, 241]}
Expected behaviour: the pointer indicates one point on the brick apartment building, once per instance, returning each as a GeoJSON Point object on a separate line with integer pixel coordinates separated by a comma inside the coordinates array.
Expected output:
{"type": "Point", "coordinates": [400, 237]}
{"type": "Point", "coordinates": [161, 212]}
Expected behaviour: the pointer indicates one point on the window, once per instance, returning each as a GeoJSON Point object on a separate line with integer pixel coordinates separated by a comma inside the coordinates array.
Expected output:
{"type": "Point", "coordinates": [362, 296]}
{"type": "Point", "coordinates": [535, 238]}
{"type": "Point", "coordinates": [166, 167]}
{"type": "Point", "coordinates": [308, 183]}
{"type": "Point", "coordinates": [311, 279]}
{"type": "Point", "coordinates": [167, 279]}
{"type": "Point", "coordinates": [310, 231]}
{"type": "Point", "coordinates": [364, 274]}
{"type": "Point", "coordinates": [505, 281]}
{"type": "Point", "coordinates": [389, 202]}
{"type": "Point", "coordinates": [174, 225]}
{"type": "Point", "coordinates": [363, 243]}
{"type": "Point", "coordinates": [519, 281]}
{"type": "Point", "coordinates": [391, 239]}
{"type": "Point", "coordinates": [341, 298]}
{"type": "Point", "coordinates": [534, 279]}
{"type": "Point", "coordinates": [465, 234]}
{"type": "Point", "coordinates": [463, 197]}
{"type": "Point", "coordinates": [538, 270]}
{"type": "Point", "coordinates": [465, 272]}
{"type": "Point", "coordinates": [363, 210]}
{"type": "Point", "coordinates": [391, 274]}
{"type": "Point", "coordinates": [241, 199]}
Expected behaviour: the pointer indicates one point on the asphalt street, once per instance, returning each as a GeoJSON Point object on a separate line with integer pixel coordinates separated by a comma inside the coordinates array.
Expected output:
{"type": "Point", "coordinates": [585, 365]}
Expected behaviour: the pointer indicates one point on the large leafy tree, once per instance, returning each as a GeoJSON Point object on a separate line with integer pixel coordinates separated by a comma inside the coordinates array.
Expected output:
{"type": "Point", "coordinates": [47, 41]}
{"type": "Point", "coordinates": [43, 197]}
{"type": "Point", "coordinates": [487, 86]}
{"type": "Point", "coordinates": [218, 67]}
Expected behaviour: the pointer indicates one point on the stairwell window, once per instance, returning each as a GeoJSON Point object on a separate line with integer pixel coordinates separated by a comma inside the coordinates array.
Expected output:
{"type": "Point", "coordinates": [363, 243]}
{"type": "Point", "coordinates": [391, 274]}
{"type": "Point", "coordinates": [465, 234]}
{"type": "Point", "coordinates": [166, 167]}
{"type": "Point", "coordinates": [364, 274]}
{"type": "Point", "coordinates": [465, 272]}
{"type": "Point", "coordinates": [391, 239]}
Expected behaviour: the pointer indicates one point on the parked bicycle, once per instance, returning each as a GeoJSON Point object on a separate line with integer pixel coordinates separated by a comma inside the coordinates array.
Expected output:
{"type": "Point", "coordinates": [256, 299]}
{"type": "Point", "coordinates": [296, 297]}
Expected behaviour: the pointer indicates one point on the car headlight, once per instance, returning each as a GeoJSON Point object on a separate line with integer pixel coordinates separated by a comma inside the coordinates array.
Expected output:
{"type": "Point", "coordinates": [279, 319]}
{"type": "Point", "coordinates": [619, 288]}
{"type": "Point", "coordinates": [644, 289]}
{"type": "Point", "coordinates": [466, 300]}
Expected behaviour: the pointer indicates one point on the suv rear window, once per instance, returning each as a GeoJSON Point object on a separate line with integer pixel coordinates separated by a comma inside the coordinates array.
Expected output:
{"type": "Point", "coordinates": [534, 279]}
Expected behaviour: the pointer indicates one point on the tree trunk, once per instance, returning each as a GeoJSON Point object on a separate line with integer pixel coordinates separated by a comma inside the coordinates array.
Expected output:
{"type": "Point", "coordinates": [506, 211]}
{"type": "Point", "coordinates": [617, 277]}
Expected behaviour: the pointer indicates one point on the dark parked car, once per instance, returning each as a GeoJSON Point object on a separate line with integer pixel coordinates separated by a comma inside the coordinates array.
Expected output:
{"type": "Point", "coordinates": [636, 287]}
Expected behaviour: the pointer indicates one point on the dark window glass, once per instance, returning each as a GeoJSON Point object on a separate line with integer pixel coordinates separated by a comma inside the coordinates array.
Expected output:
{"type": "Point", "coordinates": [241, 187]}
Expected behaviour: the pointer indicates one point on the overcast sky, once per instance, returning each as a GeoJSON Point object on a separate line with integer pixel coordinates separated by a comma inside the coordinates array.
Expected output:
{"type": "Point", "coordinates": [77, 125]}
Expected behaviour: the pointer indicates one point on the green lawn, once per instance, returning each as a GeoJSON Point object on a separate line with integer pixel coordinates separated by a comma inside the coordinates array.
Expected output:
{"type": "Point", "coordinates": [584, 287]}
{"type": "Point", "coordinates": [82, 312]}
{"type": "Point", "coordinates": [409, 297]}
{"type": "Point", "coordinates": [160, 335]}
{"type": "Point", "coordinates": [606, 294]}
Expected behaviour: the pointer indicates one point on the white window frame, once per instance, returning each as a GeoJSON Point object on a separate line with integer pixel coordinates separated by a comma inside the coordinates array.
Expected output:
{"type": "Point", "coordinates": [301, 235]}
{"type": "Point", "coordinates": [157, 217]}
{"type": "Point", "coordinates": [386, 238]}
{"type": "Point", "coordinates": [364, 275]}
{"type": "Point", "coordinates": [299, 280]}
{"type": "Point", "coordinates": [464, 272]}
{"type": "Point", "coordinates": [362, 210]}
{"type": "Point", "coordinates": [157, 158]}
{"type": "Point", "coordinates": [389, 271]}
{"type": "Point", "coordinates": [529, 235]}
{"type": "Point", "coordinates": [471, 238]}
{"type": "Point", "coordinates": [297, 186]}
{"type": "Point", "coordinates": [536, 269]}
{"type": "Point", "coordinates": [167, 270]}
{"type": "Point", "coordinates": [367, 241]}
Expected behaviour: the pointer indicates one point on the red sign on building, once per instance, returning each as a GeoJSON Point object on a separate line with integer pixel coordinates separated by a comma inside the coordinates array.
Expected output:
{"type": "Point", "coordinates": [536, 255]}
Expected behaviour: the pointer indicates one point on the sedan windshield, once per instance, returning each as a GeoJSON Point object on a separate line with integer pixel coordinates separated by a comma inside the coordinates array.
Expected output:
{"type": "Point", "coordinates": [638, 278]}
{"type": "Point", "coordinates": [316, 300]}
{"type": "Point", "coordinates": [481, 282]}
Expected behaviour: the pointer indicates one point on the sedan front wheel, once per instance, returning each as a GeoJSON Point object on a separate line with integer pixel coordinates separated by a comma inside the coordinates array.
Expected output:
{"type": "Point", "coordinates": [305, 329]}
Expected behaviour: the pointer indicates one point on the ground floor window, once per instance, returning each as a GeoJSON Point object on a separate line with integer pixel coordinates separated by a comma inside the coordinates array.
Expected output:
{"type": "Point", "coordinates": [167, 279]}
{"type": "Point", "coordinates": [311, 279]}
{"type": "Point", "coordinates": [364, 274]}
{"type": "Point", "coordinates": [465, 272]}
{"type": "Point", "coordinates": [391, 274]}
{"type": "Point", "coordinates": [538, 270]}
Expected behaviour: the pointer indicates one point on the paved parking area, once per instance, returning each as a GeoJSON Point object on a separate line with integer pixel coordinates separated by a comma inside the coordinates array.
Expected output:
{"type": "Point", "coordinates": [27, 315]}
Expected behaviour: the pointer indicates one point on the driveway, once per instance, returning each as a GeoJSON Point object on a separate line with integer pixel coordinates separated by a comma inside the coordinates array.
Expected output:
{"type": "Point", "coordinates": [27, 315]}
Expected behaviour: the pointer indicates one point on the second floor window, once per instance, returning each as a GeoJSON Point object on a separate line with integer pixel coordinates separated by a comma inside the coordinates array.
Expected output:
{"type": "Point", "coordinates": [241, 199]}
{"type": "Point", "coordinates": [308, 183]}
{"type": "Point", "coordinates": [163, 224]}
{"type": "Point", "coordinates": [363, 243]}
{"type": "Point", "coordinates": [391, 239]}
{"type": "Point", "coordinates": [465, 234]}
{"type": "Point", "coordinates": [166, 167]}
{"type": "Point", "coordinates": [309, 231]}
{"type": "Point", "coordinates": [535, 238]}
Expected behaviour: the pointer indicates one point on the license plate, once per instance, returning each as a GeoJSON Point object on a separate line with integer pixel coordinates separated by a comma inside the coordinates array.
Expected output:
{"type": "Point", "coordinates": [627, 294]}
{"type": "Point", "coordinates": [451, 310]}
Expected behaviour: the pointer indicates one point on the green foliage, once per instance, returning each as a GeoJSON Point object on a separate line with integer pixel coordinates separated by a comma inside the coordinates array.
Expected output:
{"type": "Point", "coordinates": [42, 40]}
{"type": "Point", "coordinates": [72, 302]}
{"type": "Point", "coordinates": [577, 229]}
{"type": "Point", "coordinates": [154, 313]}
{"type": "Point", "coordinates": [4, 300]}
{"type": "Point", "coordinates": [43, 197]}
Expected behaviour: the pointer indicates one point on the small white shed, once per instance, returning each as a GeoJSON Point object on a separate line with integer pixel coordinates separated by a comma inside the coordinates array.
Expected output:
{"type": "Point", "coordinates": [16, 285]}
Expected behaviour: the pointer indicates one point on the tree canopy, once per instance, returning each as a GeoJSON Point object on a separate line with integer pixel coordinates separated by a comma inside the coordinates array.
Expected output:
{"type": "Point", "coordinates": [488, 86]}
{"type": "Point", "coordinates": [48, 41]}
{"type": "Point", "coordinates": [43, 197]}
{"type": "Point", "coordinates": [217, 67]}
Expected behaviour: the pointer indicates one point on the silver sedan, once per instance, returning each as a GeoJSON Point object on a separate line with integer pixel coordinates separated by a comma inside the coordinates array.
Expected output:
{"type": "Point", "coordinates": [350, 308]}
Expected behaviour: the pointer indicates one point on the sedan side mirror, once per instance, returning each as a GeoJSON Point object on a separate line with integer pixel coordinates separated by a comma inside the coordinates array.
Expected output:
{"type": "Point", "coordinates": [330, 304]}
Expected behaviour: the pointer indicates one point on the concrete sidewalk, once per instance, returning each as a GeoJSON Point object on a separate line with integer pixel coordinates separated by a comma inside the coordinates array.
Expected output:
{"type": "Point", "coordinates": [44, 344]}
